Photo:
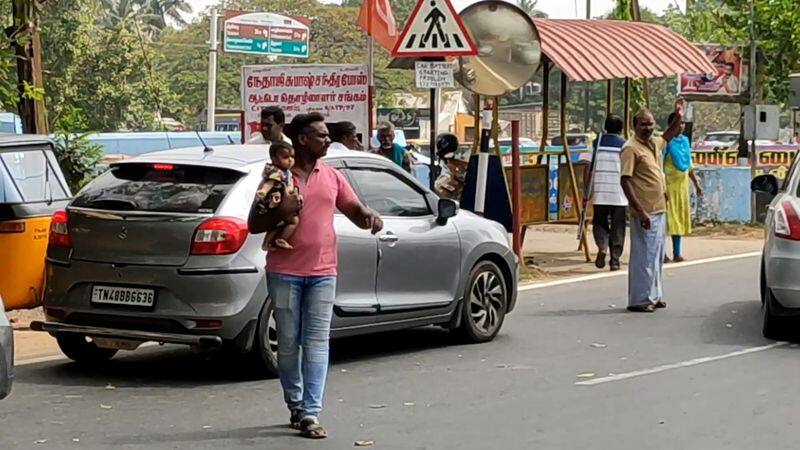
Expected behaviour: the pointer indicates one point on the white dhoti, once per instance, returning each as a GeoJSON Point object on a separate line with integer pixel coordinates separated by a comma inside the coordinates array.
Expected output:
{"type": "Point", "coordinates": [647, 259]}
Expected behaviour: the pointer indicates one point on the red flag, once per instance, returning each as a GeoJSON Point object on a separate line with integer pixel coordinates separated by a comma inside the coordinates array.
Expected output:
{"type": "Point", "coordinates": [377, 20]}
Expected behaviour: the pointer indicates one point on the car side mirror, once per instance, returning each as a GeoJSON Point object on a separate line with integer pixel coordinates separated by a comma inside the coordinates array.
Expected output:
{"type": "Point", "coordinates": [767, 184]}
{"type": "Point", "coordinates": [447, 209]}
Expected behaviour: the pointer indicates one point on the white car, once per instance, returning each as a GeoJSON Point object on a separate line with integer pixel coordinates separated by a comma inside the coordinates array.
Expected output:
{"type": "Point", "coordinates": [730, 138]}
{"type": "Point", "coordinates": [720, 138]}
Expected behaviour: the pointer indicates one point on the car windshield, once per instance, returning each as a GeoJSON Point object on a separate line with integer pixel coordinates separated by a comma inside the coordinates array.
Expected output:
{"type": "Point", "coordinates": [159, 187]}
{"type": "Point", "coordinates": [30, 174]}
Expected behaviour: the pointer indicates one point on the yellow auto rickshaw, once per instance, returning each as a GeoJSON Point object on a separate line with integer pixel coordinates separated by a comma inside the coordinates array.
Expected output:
{"type": "Point", "coordinates": [32, 187]}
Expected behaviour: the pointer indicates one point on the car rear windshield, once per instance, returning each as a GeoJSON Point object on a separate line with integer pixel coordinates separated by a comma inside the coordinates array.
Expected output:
{"type": "Point", "coordinates": [159, 187]}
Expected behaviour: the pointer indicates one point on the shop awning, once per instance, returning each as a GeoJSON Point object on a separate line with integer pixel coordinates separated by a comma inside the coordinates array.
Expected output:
{"type": "Point", "coordinates": [594, 50]}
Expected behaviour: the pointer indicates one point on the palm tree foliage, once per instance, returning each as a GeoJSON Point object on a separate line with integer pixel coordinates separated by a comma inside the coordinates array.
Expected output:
{"type": "Point", "coordinates": [151, 15]}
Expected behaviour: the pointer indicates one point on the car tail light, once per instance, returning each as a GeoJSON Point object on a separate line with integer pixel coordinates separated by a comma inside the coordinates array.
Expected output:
{"type": "Point", "coordinates": [59, 232]}
{"type": "Point", "coordinates": [12, 227]}
{"type": "Point", "coordinates": [787, 221]}
{"type": "Point", "coordinates": [219, 236]}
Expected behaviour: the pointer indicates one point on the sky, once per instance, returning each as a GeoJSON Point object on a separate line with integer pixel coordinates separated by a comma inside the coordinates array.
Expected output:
{"type": "Point", "coordinates": [557, 9]}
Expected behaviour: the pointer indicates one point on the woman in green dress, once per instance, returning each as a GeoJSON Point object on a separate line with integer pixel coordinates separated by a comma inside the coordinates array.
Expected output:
{"type": "Point", "coordinates": [678, 171]}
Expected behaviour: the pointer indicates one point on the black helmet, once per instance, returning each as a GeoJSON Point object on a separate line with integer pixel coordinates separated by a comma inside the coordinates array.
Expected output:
{"type": "Point", "coordinates": [446, 145]}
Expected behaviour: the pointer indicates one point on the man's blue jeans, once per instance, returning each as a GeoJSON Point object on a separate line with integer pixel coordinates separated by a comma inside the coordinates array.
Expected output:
{"type": "Point", "coordinates": [303, 311]}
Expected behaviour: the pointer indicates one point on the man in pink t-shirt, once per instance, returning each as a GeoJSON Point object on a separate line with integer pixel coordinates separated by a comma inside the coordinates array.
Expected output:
{"type": "Point", "coordinates": [302, 280]}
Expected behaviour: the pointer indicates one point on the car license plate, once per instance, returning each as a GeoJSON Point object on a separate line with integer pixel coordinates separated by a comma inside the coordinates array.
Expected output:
{"type": "Point", "coordinates": [116, 295]}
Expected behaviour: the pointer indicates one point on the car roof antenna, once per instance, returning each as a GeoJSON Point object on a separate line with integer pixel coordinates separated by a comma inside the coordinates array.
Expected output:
{"type": "Point", "coordinates": [206, 148]}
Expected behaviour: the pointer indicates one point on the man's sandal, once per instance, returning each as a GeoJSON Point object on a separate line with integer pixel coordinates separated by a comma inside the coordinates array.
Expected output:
{"type": "Point", "coordinates": [310, 428]}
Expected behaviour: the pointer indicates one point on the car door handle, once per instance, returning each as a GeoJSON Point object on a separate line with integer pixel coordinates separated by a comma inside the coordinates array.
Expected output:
{"type": "Point", "coordinates": [388, 238]}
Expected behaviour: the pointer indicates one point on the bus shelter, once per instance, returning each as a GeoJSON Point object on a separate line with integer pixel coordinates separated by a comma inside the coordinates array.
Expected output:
{"type": "Point", "coordinates": [589, 51]}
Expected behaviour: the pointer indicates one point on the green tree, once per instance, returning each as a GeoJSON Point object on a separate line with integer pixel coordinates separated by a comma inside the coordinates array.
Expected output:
{"type": "Point", "coordinates": [152, 16]}
{"type": "Point", "coordinates": [99, 71]}
{"type": "Point", "coordinates": [165, 10]}
{"type": "Point", "coordinates": [127, 13]}
{"type": "Point", "coordinates": [8, 67]}
{"type": "Point", "coordinates": [77, 156]}
{"type": "Point", "coordinates": [529, 6]}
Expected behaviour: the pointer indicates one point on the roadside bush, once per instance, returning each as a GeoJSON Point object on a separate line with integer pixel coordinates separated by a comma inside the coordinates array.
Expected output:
{"type": "Point", "coordinates": [77, 155]}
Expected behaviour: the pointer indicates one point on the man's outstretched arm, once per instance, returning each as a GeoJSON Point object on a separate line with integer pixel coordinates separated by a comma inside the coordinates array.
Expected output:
{"type": "Point", "coordinates": [362, 217]}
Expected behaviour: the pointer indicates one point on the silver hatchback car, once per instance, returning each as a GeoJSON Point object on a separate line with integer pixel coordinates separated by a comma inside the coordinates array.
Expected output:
{"type": "Point", "coordinates": [157, 249]}
{"type": "Point", "coordinates": [780, 264]}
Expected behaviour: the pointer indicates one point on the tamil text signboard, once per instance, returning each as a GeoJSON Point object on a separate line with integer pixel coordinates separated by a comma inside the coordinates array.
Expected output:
{"type": "Point", "coordinates": [726, 80]}
{"type": "Point", "coordinates": [774, 159]}
{"type": "Point", "coordinates": [265, 34]}
{"type": "Point", "coordinates": [407, 119]}
{"type": "Point", "coordinates": [337, 91]}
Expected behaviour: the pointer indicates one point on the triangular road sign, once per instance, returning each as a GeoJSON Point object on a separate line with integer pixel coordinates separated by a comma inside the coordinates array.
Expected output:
{"type": "Point", "coordinates": [434, 29]}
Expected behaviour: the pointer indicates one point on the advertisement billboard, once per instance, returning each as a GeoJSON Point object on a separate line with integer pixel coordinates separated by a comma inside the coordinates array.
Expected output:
{"type": "Point", "coordinates": [337, 91]}
{"type": "Point", "coordinates": [726, 80]}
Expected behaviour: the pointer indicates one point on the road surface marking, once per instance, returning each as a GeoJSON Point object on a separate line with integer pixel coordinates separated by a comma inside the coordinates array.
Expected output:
{"type": "Point", "coordinates": [599, 276]}
{"type": "Point", "coordinates": [689, 363]}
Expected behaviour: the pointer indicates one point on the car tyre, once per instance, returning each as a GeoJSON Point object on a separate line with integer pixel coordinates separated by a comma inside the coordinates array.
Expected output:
{"type": "Point", "coordinates": [80, 349]}
{"type": "Point", "coordinates": [774, 327]}
{"type": "Point", "coordinates": [484, 305]}
{"type": "Point", "coordinates": [264, 355]}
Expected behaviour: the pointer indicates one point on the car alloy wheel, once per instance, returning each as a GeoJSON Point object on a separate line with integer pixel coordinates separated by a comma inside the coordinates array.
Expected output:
{"type": "Point", "coordinates": [485, 301]}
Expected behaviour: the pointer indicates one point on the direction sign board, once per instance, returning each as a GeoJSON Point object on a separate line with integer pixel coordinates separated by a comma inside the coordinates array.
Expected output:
{"type": "Point", "coordinates": [265, 34]}
{"type": "Point", "coordinates": [434, 29]}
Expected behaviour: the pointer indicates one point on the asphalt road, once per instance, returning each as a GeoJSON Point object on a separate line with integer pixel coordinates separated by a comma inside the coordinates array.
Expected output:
{"type": "Point", "coordinates": [417, 389]}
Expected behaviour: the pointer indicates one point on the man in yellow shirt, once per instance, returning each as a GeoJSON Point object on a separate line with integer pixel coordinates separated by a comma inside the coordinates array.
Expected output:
{"type": "Point", "coordinates": [644, 185]}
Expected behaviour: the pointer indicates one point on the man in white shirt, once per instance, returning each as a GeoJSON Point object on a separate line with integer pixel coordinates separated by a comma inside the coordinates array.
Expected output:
{"type": "Point", "coordinates": [608, 199]}
{"type": "Point", "coordinates": [272, 122]}
{"type": "Point", "coordinates": [343, 136]}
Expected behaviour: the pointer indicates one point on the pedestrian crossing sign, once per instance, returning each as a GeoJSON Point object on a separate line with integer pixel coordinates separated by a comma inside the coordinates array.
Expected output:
{"type": "Point", "coordinates": [434, 29]}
